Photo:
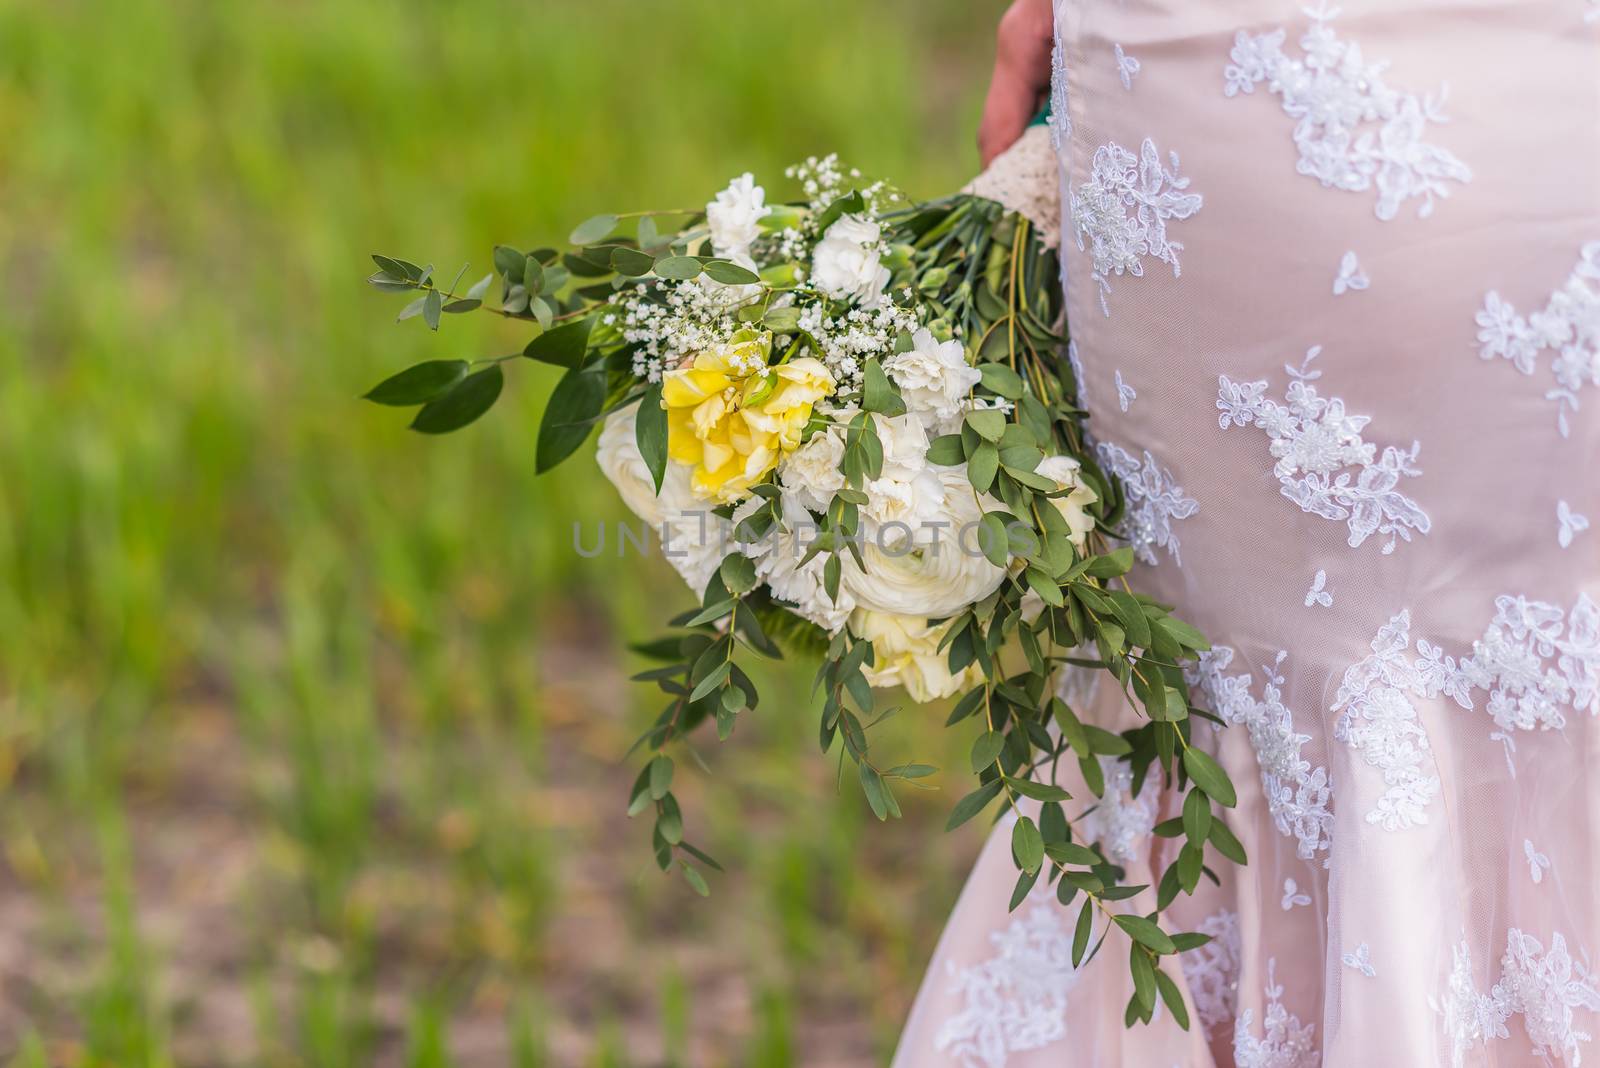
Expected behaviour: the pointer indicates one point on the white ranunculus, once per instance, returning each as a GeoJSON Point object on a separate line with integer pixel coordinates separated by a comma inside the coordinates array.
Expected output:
{"type": "Point", "coordinates": [693, 539]}
{"type": "Point", "coordinates": [1064, 471]}
{"type": "Point", "coordinates": [777, 557]}
{"type": "Point", "coordinates": [847, 263]}
{"type": "Point", "coordinates": [906, 653]}
{"type": "Point", "coordinates": [935, 380]}
{"type": "Point", "coordinates": [810, 474]}
{"type": "Point", "coordinates": [940, 572]}
{"type": "Point", "coordinates": [734, 218]}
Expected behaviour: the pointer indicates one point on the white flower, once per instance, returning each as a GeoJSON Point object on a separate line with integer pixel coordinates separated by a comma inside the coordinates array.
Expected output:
{"type": "Point", "coordinates": [847, 262]}
{"type": "Point", "coordinates": [937, 573]}
{"type": "Point", "coordinates": [906, 653]}
{"type": "Point", "coordinates": [906, 491]}
{"type": "Point", "coordinates": [934, 379]}
{"type": "Point", "coordinates": [777, 556]}
{"type": "Point", "coordinates": [1063, 471]}
{"type": "Point", "coordinates": [734, 218]}
{"type": "Point", "coordinates": [810, 475]}
{"type": "Point", "coordinates": [693, 539]}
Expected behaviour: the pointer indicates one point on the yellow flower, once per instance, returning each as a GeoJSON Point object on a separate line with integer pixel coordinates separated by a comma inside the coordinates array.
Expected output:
{"type": "Point", "coordinates": [732, 418]}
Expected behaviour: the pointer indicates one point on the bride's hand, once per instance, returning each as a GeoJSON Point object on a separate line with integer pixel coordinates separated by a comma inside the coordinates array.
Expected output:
{"type": "Point", "coordinates": [1021, 75]}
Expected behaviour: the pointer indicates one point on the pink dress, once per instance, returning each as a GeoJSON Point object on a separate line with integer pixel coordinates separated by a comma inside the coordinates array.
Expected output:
{"type": "Point", "coordinates": [1334, 282]}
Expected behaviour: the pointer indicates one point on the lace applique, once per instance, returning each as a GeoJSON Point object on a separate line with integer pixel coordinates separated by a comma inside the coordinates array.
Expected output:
{"type": "Point", "coordinates": [1127, 68]}
{"type": "Point", "coordinates": [1569, 524]}
{"type": "Point", "coordinates": [1353, 131]}
{"type": "Point", "coordinates": [1212, 970]}
{"type": "Point", "coordinates": [1120, 821]}
{"type": "Point", "coordinates": [1123, 209]}
{"type": "Point", "coordinates": [1381, 724]}
{"type": "Point", "coordinates": [1292, 895]}
{"type": "Point", "coordinates": [1317, 443]}
{"type": "Point", "coordinates": [1351, 279]}
{"type": "Point", "coordinates": [1361, 960]}
{"type": "Point", "coordinates": [1569, 325]}
{"type": "Point", "coordinates": [1017, 999]}
{"type": "Point", "coordinates": [1543, 988]}
{"type": "Point", "coordinates": [1284, 1043]}
{"type": "Point", "coordinates": [1297, 794]}
{"type": "Point", "coordinates": [1060, 113]}
{"type": "Point", "coordinates": [1154, 501]}
{"type": "Point", "coordinates": [1126, 394]}
{"type": "Point", "coordinates": [1319, 594]}
{"type": "Point", "coordinates": [1538, 863]}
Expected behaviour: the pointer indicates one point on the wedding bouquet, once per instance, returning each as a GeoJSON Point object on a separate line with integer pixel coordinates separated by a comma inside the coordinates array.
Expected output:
{"type": "Point", "coordinates": [848, 419]}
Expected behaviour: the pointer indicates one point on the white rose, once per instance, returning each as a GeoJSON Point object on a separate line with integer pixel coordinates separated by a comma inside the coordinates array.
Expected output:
{"type": "Point", "coordinates": [693, 539]}
{"type": "Point", "coordinates": [907, 491]}
{"type": "Point", "coordinates": [942, 571]}
{"type": "Point", "coordinates": [1064, 472]}
{"type": "Point", "coordinates": [811, 473]}
{"type": "Point", "coordinates": [734, 218]}
{"type": "Point", "coordinates": [847, 264]}
{"type": "Point", "coordinates": [935, 380]}
{"type": "Point", "coordinates": [777, 558]}
{"type": "Point", "coordinates": [906, 653]}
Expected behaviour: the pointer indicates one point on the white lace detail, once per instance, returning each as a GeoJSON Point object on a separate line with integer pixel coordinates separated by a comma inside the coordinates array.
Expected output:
{"type": "Point", "coordinates": [1569, 524]}
{"type": "Point", "coordinates": [1060, 113]}
{"type": "Point", "coordinates": [1324, 464]}
{"type": "Point", "coordinates": [1351, 279]}
{"type": "Point", "coordinates": [1513, 663]}
{"type": "Point", "coordinates": [1127, 68]}
{"type": "Point", "coordinates": [1542, 987]}
{"type": "Point", "coordinates": [1353, 131]}
{"type": "Point", "coordinates": [1017, 999]}
{"type": "Point", "coordinates": [1538, 863]}
{"type": "Point", "coordinates": [1361, 960]}
{"type": "Point", "coordinates": [1126, 394]}
{"type": "Point", "coordinates": [1569, 325]}
{"type": "Point", "coordinates": [1292, 895]}
{"type": "Point", "coordinates": [1123, 209]}
{"type": "Point", "coordinates": [1212, 970]}
{"type": "Point", "coordinates": [1119, 821]}
{"type": "Point", "coordinates": [1319, 594]}
{"type": "Point", "coordinates": [1297, 794]}
{"type": "Point", "coordinates": [1284, 1042]}
{"type": "Point", "coordinates": [1381, 724]}
{"type": "Point", "coordinates": [1155, 500]}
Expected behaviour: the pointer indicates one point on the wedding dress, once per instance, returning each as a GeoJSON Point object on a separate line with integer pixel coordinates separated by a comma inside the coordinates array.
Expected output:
{"type": "Point", "coordinates": [1333, 279]}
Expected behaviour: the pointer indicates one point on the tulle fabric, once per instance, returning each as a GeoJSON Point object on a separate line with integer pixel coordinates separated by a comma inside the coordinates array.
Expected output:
{"type": "Point", "coordinates": [1438, 903]}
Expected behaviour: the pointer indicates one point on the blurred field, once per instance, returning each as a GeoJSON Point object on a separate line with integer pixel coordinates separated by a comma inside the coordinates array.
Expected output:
{"type": "Point", "coordinates": [310, 727]}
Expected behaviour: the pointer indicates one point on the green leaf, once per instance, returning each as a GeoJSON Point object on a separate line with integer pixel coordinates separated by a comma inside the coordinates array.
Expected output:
{"type": "Point", "coordinates": [696, 881]}
{"type": "Point", "coordinates": [972, 804]}
{"type": "Point", "coordinates": [631, 263]}
{"type": "Point", "coordinates": [678, 268]}
{"type": "Point", "coordinates": [660, 776]}
{"type": "Point", "coordinates": [946, 450]}
{"type": "Point", "coordinates": [713, 681]}
{"type": "Point", "coordinates": [1027, 845]}
{"type": "Point", "coordinates": [877, 793]}
{"type": "Point", "coordinates": [1080, 936]}
{"type": "Point", "coordinates": [988, 424]}
{"type": "Point", "coordinates": [399, 270]}
{"type": "Point", "coordinates": [1197, 816]}
{"type": "Point", "coordinates": [739, 573]}
{"type": "Point", "coordinates": [593, 229]}
{"type": "Point", "coordinates": [877, 394]}
{"type": "Point", "coordinates": [1209, 776]}
{"type": "Point", "coordinates": [992, 538]}
{"type": "Point", "coordinates": [1145, 932]}
{"type": "Point", "coordinates": [533, 276]}
{"type": "Point", "coordinates": [412, 310]}
{"type": "Point", "coordinates": [418, 384]}
{"type": "Point", "coordinates": [1223, 840]}
{"type": "Point", "coordinates": [983, 466]}
{"type": "Point", "coordinates": [432, 305]}
{"type": "Point", "coordinates": [669, 824]}
{"type": "Point", "coordinates": [563, 346]}
{"type": "Point", "coordinates": [462, 403]}
{"type": "Point", "coordinates": [508, 261]}
{"type": "Point", "coordinates": [1174, 1000]}
{"type": "Point", "coordinates": [1001, 380]}
{"type": "Point", "coordinates": [986, 749]}
{"type": "Point", "coordinates": [650, 433]}
{"type": "Point", "coordinates": [1144, 977]}
{"type": "Point", "coordinates": [730, 273]}
{"type": "Point", "coordinates": [1039, 791]}
{"type": "Point", "coordinates": [568, 416]}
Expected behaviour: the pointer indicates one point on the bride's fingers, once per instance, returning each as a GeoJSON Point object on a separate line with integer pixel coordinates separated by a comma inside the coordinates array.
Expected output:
{"type": "Point", "coordinates": [1021, 75]}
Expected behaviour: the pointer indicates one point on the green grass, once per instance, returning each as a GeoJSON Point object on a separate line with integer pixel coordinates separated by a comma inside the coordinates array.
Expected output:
{"type": "Point", "coordinates": [309, 726]}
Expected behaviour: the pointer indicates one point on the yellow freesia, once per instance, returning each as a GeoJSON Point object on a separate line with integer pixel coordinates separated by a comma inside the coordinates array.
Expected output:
{"type": "Point", "coordinates": [732, 418]}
